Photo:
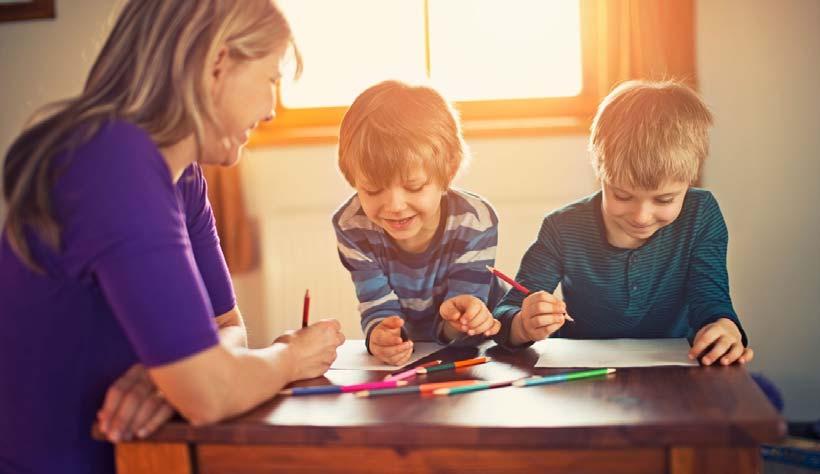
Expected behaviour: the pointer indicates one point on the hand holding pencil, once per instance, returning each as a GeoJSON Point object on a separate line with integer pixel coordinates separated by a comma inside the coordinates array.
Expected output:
{"type": "Point", "coordinates": [541, 315]}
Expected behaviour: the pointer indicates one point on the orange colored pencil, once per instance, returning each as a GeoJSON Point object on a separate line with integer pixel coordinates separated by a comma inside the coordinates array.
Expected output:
{"type": "Point", "coordinates": [454, 365]}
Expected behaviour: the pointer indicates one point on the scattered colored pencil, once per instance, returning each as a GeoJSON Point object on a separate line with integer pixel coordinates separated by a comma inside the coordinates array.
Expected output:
{"type": "Point", "coordinates": [423, 388]}
{"type": "Point", "coordinates": [453, 365]}
{"type": "Point", "coordinates": [471, 388]}
{"type": "Point", "coordinates": [306, 308]}
{"type": "Point", "coordinates": [410, 373]}
{"type": "Point", "coordinates": [321, 389]}
{"type": "Point", "coordinates": [516, 285]}
{"type": "Point", "coordinates": [548, 379]}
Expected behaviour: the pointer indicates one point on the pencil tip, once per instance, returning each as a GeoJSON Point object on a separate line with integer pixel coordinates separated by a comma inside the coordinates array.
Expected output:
{"type": "Point", "coordinates": [441, 391]}
{"type": "Point", "coordinates": [610, 371]}
{"type": "Point", "coordinates": [307, 293]}
{"type": "Point", "coordinates": [362, 394]}
{"type": "Point", "coordinates": [401, 383]}
{"type": "Point", "coordinates": [287, 391]}
{"type": "Point", "coordinates": [489, 268]}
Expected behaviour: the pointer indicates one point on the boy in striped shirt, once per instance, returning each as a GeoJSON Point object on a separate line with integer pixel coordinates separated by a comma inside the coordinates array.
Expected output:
{"type": "Point", "coordinates": [644, 257]}
{"type": "Point", "coordinates": [415, 247]}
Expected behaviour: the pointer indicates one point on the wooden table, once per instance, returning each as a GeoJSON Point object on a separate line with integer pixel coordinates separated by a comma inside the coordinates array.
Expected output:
{"type": "Point", "coordinates": [641, 420]}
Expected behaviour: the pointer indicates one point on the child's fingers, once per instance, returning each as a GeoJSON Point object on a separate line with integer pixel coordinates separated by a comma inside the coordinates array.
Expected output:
{"type": "Point", "coordinates": [390, 351]}
{"type": "Point", "coordinates": [471, 309]}
{"type": "Point", "coordinates": [734, 354]}
{"type": "Point", "coordinates": [543, 307]}
{"type": "Point", "coordinates": [494, 328]}
{"type": "Point", "coordinates": [385, 337]}
{"type": "Point", "coordinates": [480, 317]}
{"type": "Point", "coordinates": [544, 320]}
{"type": "Point", "coordinates": [401, 358]}
{"type": "Point", "coordinates": [720, 347]}
{"type": "Point", "coordinates": [703, 339]}
{"type": "Point", "coordinates": [484, 323]}
{"type": "Point", "coordinates": [449, 311]}
{"type": "Point", "coordinates": [748, 355]}
{"type": "Point", "coordinates": [392, 322]}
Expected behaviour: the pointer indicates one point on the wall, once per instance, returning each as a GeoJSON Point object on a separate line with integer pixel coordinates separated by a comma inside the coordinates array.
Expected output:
{"type": "Point", "coordinates": [46, 60]}
{"type": "Point", "coordinates": [759, 70]}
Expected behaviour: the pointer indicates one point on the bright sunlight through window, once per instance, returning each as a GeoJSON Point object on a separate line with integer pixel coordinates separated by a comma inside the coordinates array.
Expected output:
{"type": "Point", "coordinates": [470, 49]}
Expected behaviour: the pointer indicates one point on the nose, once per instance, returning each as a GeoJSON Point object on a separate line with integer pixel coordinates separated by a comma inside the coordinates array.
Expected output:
{"type": "Point", "coordinates": [643, 214]}
{"type": "Point", "coordinates": [394, 200]}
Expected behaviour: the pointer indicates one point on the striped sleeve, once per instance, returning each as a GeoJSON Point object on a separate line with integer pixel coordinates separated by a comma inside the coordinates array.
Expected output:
{"type": "Point", "coordinates": [477, 227]}
{"type": "Point", "coordinates": [377, 300]}
{"type": "Point", "coordinates": [707, 290]}
{"type": "Point", "coordinates": [475, 223]}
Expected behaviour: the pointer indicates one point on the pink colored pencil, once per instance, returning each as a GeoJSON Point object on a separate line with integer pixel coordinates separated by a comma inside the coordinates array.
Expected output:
{"type": "Point", "coordinates": [407, 374]}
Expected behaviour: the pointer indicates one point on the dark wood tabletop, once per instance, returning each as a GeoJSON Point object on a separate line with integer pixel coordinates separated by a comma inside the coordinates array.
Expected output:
{"type": "Point", "coordinates": [634, 407]}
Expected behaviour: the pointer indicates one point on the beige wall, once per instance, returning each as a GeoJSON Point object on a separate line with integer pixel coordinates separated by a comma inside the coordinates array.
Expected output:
{"type": "Point", "coordinates": [758, 69]}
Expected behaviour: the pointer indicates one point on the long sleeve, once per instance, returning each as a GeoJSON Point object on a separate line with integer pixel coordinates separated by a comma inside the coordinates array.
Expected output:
{"type": "Point", "coordinates": [377, 300]}
{"type": "Point", "coordinates": [707, 280]}
{"type": "Point", "coordinates": [540, 269]}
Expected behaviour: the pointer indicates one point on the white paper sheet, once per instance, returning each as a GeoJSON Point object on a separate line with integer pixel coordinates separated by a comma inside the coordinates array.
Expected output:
{"type": "Point", "coordinates": [612, 352]}
{"type": "Point", "coordinates": [352, 355]}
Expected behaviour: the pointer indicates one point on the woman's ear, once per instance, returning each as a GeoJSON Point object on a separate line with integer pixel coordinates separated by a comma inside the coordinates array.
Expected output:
{"type": "Point", "coordinates": [219, 65]}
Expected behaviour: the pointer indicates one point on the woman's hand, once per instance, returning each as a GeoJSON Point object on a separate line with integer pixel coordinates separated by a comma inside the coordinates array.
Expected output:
{"type": "Point", "coordinates": [133, 406]}
{"type": "Point", "coordinates": [313, 349]}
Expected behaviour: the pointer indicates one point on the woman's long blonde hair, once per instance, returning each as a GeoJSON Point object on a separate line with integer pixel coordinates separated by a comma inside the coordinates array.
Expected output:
{"type": "Point", "coordinates": [151, 72]}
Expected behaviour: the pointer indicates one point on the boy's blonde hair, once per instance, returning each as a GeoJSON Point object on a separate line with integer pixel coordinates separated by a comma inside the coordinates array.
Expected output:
{"type": "Point", "coordinates": [646, 133]}
{"type": "Point", "coordinates": [393, 128]}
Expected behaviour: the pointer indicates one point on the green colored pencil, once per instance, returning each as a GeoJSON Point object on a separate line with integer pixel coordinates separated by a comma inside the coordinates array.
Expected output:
{"type": "Point", "coordinates": [548, 379]}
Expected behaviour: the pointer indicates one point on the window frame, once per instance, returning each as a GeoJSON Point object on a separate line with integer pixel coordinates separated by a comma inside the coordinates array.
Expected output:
{"type": "Point", "coordinates": [486, 118]}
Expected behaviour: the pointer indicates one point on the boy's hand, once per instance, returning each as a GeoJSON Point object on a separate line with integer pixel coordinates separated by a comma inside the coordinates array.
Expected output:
{"type": "Point", "coordinates": [468, 314]}
{"type": "Point", "coordinates": [386, 343]}
{"type": "Point", "coordinates": [724, 338]}
{"type": "Point", "coordinates": [541, 315]}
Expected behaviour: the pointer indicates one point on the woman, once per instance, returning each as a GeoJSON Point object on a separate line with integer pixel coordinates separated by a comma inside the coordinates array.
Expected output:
{"type": "Point", "coordinates": [116, 303]}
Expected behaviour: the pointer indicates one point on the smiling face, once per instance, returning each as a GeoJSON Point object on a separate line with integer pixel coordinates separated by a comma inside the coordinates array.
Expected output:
{"type": "Point", "coordinates": [633, 215]}
{"type": "Point", "coordinates": [243, 95]}
{"type": "Point", "coordinates": [408, 209]}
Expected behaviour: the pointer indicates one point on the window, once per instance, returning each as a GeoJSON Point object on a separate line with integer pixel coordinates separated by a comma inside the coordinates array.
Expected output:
{"type": "Point", "coordinates": [512, 67]}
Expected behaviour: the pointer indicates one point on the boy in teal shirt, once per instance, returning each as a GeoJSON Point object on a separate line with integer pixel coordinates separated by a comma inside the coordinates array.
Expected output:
{"type": "Point", "coordinates": [644, 257]}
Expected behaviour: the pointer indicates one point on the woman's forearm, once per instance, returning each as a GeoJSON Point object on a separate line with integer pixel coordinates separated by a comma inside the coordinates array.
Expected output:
{"type": "Point", "coordinates": [224, 381]}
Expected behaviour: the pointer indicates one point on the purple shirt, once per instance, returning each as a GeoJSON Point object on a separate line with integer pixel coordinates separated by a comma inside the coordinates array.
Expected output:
{"type": "Point", "coordinates": [139, 280]}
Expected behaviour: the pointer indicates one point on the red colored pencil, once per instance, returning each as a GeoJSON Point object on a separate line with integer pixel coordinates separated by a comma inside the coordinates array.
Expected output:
{"type": "Point", "coordinates": [306, 308]}
{"type": "Point", "coordinates": [516, 285]}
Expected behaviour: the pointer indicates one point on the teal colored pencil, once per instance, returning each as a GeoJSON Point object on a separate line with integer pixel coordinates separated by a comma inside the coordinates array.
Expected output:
{"type": "Point", "coordinates": [548, 379]}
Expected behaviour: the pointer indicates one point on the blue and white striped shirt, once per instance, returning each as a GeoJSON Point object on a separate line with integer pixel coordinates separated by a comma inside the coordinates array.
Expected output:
{"type": "Point", "coordinates": [390, 281]}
